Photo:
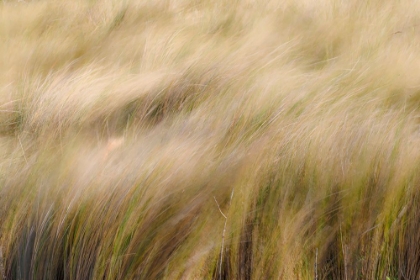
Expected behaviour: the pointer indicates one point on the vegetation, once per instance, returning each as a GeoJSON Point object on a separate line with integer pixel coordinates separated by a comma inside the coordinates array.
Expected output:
{"type": "Point", "coordinates": [209, 139]}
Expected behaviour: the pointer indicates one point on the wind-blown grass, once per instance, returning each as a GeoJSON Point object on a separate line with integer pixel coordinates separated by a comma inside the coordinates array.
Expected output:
{"type": "Point", "coordinates": [209, 139]}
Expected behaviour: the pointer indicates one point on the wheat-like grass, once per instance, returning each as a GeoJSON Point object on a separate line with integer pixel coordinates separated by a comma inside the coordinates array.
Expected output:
{"type": "Point", "coordinates": [127, 126]}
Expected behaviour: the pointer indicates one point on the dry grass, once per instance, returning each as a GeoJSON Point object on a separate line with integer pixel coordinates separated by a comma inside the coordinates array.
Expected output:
{"type": "Point", "coordinates": [126, 126]}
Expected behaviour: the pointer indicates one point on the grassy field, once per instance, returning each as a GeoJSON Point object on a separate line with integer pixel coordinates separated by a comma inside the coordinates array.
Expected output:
{"type": "Point", "coordinates": [200, 139]}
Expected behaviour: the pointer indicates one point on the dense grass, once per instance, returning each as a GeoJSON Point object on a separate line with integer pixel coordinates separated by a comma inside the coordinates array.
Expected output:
{"type": "Point", "coordinates": [209, 139]}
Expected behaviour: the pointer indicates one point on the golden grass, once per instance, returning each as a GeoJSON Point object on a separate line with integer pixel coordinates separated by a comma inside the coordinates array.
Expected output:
{"type": "Point", "coordinates": [209, 139]}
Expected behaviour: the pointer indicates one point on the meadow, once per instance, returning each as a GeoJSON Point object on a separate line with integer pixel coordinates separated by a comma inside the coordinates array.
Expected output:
{"type": "Point", "coordinates": [198, 139]}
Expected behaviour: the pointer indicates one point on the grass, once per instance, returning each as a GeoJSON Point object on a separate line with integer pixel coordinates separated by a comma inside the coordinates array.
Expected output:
{"type": "Point", "coordinates": [209, 139]}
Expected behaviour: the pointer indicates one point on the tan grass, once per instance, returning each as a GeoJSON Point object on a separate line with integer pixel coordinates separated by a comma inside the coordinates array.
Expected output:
{"type": "Point", "coordinates": [126, 126]}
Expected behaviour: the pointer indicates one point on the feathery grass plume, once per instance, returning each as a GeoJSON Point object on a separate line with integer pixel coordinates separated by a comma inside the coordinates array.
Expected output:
{"type": "Point", "coordinates": [127, 126]}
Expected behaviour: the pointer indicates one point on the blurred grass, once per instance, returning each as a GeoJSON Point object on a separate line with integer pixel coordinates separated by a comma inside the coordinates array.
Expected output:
{"type": "Point", "coordinates": [125, 125]}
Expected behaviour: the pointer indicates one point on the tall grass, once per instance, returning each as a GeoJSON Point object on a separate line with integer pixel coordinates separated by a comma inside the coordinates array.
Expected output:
{"type": "Point", "coordinates": [209, 139]}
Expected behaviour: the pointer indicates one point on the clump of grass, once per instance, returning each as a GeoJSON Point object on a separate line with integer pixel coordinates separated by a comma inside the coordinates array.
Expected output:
{"type": "Point", "coordinates": [209, 140]}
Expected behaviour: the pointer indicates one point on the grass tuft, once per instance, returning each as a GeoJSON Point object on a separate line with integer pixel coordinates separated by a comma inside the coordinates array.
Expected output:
{"type": "Point", "coordinates": [209, 139]}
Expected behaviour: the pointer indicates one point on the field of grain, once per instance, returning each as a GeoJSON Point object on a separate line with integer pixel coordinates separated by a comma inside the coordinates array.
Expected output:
{"type": "Point", "coordinates": [198, 139]}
